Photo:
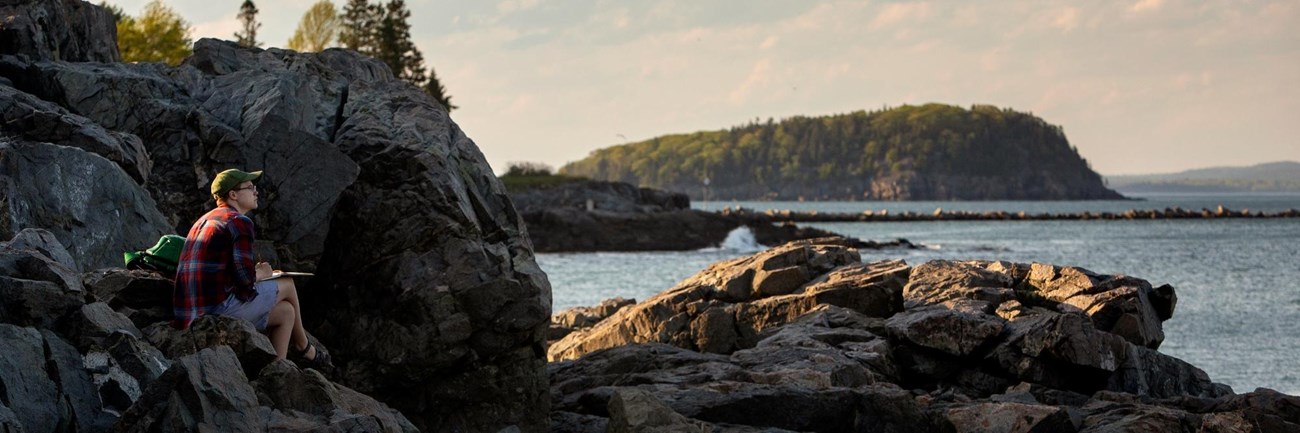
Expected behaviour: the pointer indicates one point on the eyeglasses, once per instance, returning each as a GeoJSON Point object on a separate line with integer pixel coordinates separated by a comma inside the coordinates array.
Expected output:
{"type": "Point", "coordinates": [252, 187]}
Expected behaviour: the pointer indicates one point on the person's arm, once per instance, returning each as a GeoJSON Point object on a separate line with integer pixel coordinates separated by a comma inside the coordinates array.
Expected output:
{"type": "Point", "coordinates": [243, 267]}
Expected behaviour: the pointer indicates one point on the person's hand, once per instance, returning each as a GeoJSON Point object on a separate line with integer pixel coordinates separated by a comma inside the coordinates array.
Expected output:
{"type": "Point", "coordinates": [263, 270]}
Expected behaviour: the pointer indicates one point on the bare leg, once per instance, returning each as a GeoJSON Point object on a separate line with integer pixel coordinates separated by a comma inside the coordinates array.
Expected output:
{"type": "Point", "coordinates": [289, 294]}
{"type": "Point", "coordinates": [279, 324]}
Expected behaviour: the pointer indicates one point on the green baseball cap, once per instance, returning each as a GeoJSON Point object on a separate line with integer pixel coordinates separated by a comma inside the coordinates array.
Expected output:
{"type": "Point", "coordinates": [229, 179]}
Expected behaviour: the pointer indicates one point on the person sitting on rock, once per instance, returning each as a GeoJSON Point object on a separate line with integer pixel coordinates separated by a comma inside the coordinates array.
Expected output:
{"type": "Point", "coordinates": [216, 273]}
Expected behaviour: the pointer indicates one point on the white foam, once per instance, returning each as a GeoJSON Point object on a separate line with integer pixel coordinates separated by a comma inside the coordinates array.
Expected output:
{"type": "Point", "coordinates": [741, 239]}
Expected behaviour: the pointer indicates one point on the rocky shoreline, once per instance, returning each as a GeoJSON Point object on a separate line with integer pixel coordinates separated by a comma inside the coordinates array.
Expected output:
{"type": "Point", "coordinates": [586, 216]}
{"type": "Point", "coordinates": [805, 337]}
{"type": "Point", "coordinates": [947, 215]}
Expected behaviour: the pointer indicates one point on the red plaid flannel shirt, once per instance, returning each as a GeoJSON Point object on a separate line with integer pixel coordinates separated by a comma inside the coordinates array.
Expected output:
{"type": "Point", "coordinates": [217, 261]}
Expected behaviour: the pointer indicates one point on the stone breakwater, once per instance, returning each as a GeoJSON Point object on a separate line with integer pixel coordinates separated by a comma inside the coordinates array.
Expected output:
{"type": "Point", "coordinates": [806, 337]}
{"type": "Point", "coordinates": [943, 215]}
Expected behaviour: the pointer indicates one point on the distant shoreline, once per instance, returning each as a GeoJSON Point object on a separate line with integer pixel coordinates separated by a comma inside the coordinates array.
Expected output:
{"type": "Point", "coordinates": [942, 215]}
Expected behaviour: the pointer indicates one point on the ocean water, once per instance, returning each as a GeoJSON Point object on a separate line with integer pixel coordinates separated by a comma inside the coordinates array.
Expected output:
{"type": "Point", "coordinates": [1237, 280]}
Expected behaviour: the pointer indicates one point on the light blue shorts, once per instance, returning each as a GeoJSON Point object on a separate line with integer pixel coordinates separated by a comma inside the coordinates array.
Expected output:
{"type": "Point", "coordinates": [257, 310]}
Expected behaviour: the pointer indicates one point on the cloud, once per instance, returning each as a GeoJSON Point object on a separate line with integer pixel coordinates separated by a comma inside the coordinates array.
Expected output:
{"type": "Point", "coordinates": [758, 76]}
{"type": "Point", "coordinates": [768, 43]}
{"type": "Point", "coordinates": [1143, 6]}
{"type": "Point", "coordinates": [509, 6]}
{"type": "Point", "coordinates": [1067, 20]}
{"type": "Point", "coordinates": [901, 12]}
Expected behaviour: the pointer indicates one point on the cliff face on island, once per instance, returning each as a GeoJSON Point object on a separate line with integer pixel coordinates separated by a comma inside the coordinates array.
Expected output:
{"type": "Point", "coordinates": [426, 290]}
{"type": "Point", "coordinates": [806, 337]}
{"type": "Point", "coordinates": [929, 152]}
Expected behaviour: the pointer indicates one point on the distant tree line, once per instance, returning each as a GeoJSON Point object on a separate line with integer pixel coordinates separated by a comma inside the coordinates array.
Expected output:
{"type": "Point", "coordinates": [842, 154]}
{"type": "Point", "coordinates": [381, 31]}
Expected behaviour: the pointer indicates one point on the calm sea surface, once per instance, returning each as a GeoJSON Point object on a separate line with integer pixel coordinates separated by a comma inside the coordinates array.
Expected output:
{"type": "Point", "coordinates": [1238, 280]}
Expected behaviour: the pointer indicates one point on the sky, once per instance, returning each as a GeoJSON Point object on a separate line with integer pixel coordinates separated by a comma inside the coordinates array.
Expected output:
{"type": "Point", "coordinates": [1143, 86]}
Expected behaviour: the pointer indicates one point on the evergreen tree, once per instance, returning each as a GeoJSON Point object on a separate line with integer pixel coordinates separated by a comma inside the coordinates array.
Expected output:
{"type": "Point", "coordinates": [394, 47]}
{"type": "Point", "coordinates": [248, 19]}
{"type": "Point", "coordinates": [360, 25]}
{"type": "Point", "coordinates": [438, 91]}
{"type": "Point", "coordinates": [384, 33]}
{"type": "Point", "coordinates": [117, 12]}
{"type": "Point", "coordinates": [158, 35]}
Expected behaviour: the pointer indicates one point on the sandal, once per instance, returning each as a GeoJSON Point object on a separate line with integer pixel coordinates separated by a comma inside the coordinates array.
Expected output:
{"type": "Point", "coordinates": [319, 362]}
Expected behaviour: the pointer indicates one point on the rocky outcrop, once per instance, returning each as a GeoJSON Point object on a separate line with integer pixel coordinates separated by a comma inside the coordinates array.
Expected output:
{"type": "Point", "coordinates": [622, 217]}
{"type": "Point", "coordinates": [616, 197]}
{"type": "Point", "coordinates": [86, 201]}
{"type": "Point", "coordinates": [73, 363]}
{"type": "Point", "coordinates": [966, 346]}
{"type": "Point", "coordinates": [725, 307]}
{"type": "Point", "coordinates": [426, 284]}
{"type": "Point", "coordinates": [66, 30]}
{"type": "Point", "coordinates": [580, 318]}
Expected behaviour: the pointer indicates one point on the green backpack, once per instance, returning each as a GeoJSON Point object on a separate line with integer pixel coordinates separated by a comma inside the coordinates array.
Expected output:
{"type": "Point", "coordinates": [161, 257]}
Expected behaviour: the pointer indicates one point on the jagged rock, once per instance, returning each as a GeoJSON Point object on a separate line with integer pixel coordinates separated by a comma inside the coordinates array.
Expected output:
{"type": "Point", "coordinates": [817, 355]}
{"type": "Point", "coordinates": [202, 391]}
{"type": "Point", "coordinates": [1010, 418]}
{"type": "Point", "coordinates": [79, 393]}
{"type": "Point", "coordinates": [1120, 305]}
{"type": "Point", "coordinates": [818, 374]}
{"type": "Point", "coordinates": [1268, 409]}
{"type": "Point", "coordinates": [637, 411]}
{"type": "Point", "coordinates": [286, 388]}
{"type": "Point", "coordinates": [9, 422]}
{"type": "Point", "coordinates": [36, 290]}
{"type": "Point", "coordinates": [32, 119]}
{"type": "Point", "coordinates": [45, 383]}
{"type": "Point", "coordinates": [143, 296]}
{"type": "Point", "coordinates": [1124, 306]}
{"type": "Point", "coordinates": [67, 30]}
{"type": "Point", "coordinates": [724, 307]}
{"type": "Point", "coordinates": [569, 422]}
{"type": "Point", "coordinates": [253, 349]}
{"type": "Point", "coordinates": [94, 323]}
{"type": "Point", "coordinates": [951, 331]}
{"type": "Point", "coordinates": [28, 390]}
{"type": "Point", "coordinates": [1150, 373]}
{"type": "Point", "coordinates": [78, 196]}
{"type": "Point", "coordinates": [1108, 417]}
{"type": "Point", "coordinates": [123, 370]}
{"type": "Point", "coordinates": [1036, 393]}
{"type": "Point", "coordinates": [44, 242]}
{"type": "Point", "coordinates": [567, 321]}
{"type": "Point", "coordinates": [940, 281]}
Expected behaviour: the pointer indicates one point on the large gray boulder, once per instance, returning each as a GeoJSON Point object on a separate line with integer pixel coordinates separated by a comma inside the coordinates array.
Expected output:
{"type": "Point", "coordinates": [67, 30]}
{"type": "Point", "coordinates": [28, 117]}
{"type": "Point", "coordinates": [143, 296]}
{"type": "Point", "coordinates": [35, 289]}
{"type": "Point", "coordinates": [86, 201]}
{"type": "Point", "coordinates": [47, 388]}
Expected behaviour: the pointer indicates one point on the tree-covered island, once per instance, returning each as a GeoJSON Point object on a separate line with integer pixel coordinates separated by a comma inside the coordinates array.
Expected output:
{"type": "Point", "coordinates": [927, 152]}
